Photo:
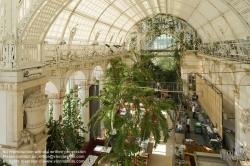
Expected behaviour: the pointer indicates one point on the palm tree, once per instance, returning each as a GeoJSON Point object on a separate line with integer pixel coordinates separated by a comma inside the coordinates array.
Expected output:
{"type": "Point", "coordinates": [129, 88]}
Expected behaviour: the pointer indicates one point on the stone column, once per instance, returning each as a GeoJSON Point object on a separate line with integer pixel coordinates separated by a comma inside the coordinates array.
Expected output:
{"type": "Point", "coordinates": [57, 103]}
{"type": "Point", "coordinates": [57, 107]}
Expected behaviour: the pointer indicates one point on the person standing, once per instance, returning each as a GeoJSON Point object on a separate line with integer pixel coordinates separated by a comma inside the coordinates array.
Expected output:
{"type": "Point", "coordinates": [188, 124]}
{"type": "Point", "coordinates": [193, 110]}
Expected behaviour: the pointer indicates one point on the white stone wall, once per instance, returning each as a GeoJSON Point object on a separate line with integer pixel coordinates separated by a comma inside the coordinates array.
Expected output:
{"type": "Point", "coordinates": [233, 80]}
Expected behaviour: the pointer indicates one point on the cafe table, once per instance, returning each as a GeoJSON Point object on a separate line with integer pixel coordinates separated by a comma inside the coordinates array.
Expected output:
{"type": "Point", "coordinates": [102, 149]}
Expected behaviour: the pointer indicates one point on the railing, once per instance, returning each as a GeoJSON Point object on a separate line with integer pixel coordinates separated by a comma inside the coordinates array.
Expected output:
{"type": "Point", "coordinates": [232, 51]}
{"type": "Point", "coordinates": [62, 54]}
{"type": "Point", "coordinates": [29, 53]}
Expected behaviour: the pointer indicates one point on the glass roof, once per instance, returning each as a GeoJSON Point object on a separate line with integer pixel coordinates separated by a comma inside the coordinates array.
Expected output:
{"type": "Point", "coordinates": [214, 20]}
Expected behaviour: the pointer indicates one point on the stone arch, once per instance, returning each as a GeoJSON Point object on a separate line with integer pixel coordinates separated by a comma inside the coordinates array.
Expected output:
{"type": "Point", "coordinates": [51, 87]}
{"type": "Point", "coordinates": [96, 72]}
{"type": "Point", "coordinates": [51, 90]}
{"type": "Point", "coordinates": [75, 77]}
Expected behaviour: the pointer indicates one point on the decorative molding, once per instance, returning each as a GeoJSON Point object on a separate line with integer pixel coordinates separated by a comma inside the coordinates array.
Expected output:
{"type": "Point", "coordinates": [236, 91]}
{"type": "Point", "coordinates": [26, 137]}
{"type": "Point", "coordinates": [8, 37]}
{"type": "Point", "coordinates": [9, 86]}
{"type": "Point", "coordinates": [247, 71]}
{"type": "Point", "coordinates": [82, 83]}
{"type": "Point", "coordinates": [63, 72]}
{"type": "Point", "coordinates": [245, 117]}
{"type": "Point", "coordinates": [77, 67]}
{"type": "Point", "coordinates": [53, 73]}
{"type": "Point", "coordinates": [216, 62]}
{"type": "Point", "coordinates": [33, 72]}
{"type": "Point", "coordinates": [232, 67]}
{"type": "Point", "coordinates": [9, 50]}
{"type": "Point", "coordinates": [53, 95]}
{"type": "Point", "coordinates": [207, 59]}
{"type": "Point", "coordinates": [219, 79]}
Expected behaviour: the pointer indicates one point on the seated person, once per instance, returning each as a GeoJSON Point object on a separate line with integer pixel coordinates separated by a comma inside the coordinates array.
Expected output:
{"type": "Point", "coordinates": [181, 149]}
{"type": "Point", "coordinates": [179, 126]}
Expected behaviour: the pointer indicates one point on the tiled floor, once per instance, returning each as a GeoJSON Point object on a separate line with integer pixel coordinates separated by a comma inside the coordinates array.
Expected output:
{"type": "Point", "coordinates": [199, 139]}
{"type": "Point", "coordinates": [163, 154]}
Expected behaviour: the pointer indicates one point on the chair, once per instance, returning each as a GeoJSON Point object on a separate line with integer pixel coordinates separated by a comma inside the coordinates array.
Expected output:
{"type": "Point", "coordinates": [142, 159]}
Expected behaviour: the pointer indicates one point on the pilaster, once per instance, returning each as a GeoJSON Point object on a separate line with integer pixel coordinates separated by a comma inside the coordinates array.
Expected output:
{"type": "Point", "coordinates": [9, 34]}
{"type": "Point", "coordinates": [14, 116]}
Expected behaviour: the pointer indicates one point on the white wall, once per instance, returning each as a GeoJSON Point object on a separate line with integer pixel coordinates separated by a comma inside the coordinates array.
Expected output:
{"type": "Point", "coordinates": [3, 117]}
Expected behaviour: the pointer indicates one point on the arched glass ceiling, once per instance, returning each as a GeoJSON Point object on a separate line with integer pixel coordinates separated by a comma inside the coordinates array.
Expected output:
{"type": "Point", "coordinates": [214, 20]}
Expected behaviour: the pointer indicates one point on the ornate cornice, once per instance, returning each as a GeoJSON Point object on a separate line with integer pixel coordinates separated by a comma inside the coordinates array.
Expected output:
{"type": "Point", "coordinates": [14, 86]}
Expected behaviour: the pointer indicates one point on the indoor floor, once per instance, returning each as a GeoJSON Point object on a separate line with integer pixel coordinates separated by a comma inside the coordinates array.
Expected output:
{"type": "Point", "coordinates": [162, 154]}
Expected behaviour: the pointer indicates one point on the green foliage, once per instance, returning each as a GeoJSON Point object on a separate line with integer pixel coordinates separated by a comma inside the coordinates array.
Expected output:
{"type": "Point", "coordinates": [164, 71]}
{"type": "Point", "coordinates": [3, 163]}
{"type": "Point", "coordinates": [68, 134]}
{"type": "Point", "coordinates": [130, 84]}
{"type": "Point", "coordinates": [72, 121]}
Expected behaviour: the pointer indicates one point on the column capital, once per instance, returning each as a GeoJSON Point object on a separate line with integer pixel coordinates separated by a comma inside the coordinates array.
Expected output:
{"type": "Point", "coordinates": [59, 95]}
{"type": "Point", "coordinates": [57, 101]}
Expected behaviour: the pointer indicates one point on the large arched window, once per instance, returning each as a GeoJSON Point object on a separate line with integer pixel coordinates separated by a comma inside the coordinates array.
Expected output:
{"type": "Point", "coordinates": [162, 42]}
